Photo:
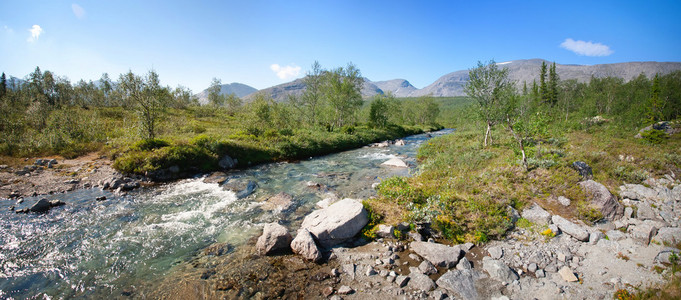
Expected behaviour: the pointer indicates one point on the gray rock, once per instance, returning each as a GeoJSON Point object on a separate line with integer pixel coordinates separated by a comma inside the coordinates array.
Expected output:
{"type": "Point", "coordinates": [395, 162]}
{"type": "Point", "coordinates": [227, 162]}
{"type": "Point", "coordinates": [615, 235]}
{"type": "Point", "coordinates": [421, 282]}
{"type": "Point", "coordinates": [540, 273]}
{"type": "Point", "coordinates": [638, 192]}
{"type": "Point", "coordinates": [438, 295]}
{"type": "Point", "coordinates": [41, 206]}
{"type": "Point", "coordinates": [513, 213]}
{"type": "Point", "coordinates": [281, 201]}
{"type": "Point", "coordinates": [645, 212]}
{"type": "Point", "coordinates": [564, 201]}
{"type": "Point", "coordinates": [498, 270]}
{"type": "Point", "coordinates": [668, 235]}
{"type": "Point", "coordinates": [583, 169]}
{"type": "Point", "coordinates": [594, 237]}
{"type": "Point", "coordinates": [241, 187]}
{"type": "Point", "coordinates": [427, 268]}
{"type": "Point", "coordinates": [464, 264]}
{"type": "Point", "coordinates": [536, 214]}
{"type": "Point", "coordinates": [437, 254]}
{"type": "Point", "coordinates": [417, 237]}
{"type": "Point", "coordinates": [567, 274]}
{"type": "Point", "coordinates": [274, 238]}
{"type": "Point", "coordinates": [56, 202]}
{"type": "Point", "coordinates": [401, 280]}
{"type": "Point", "coordinates": [350, 270]}
{"type": "Point", "coordinates": [460, 282]}
{"type": "Point", "coordinates": [628, 212]}
{"type": "Point", "coordinates": [305, 246]}
{"type": "Point", "coordinates": [495, 252]}
{"type": "Point", "coordinates": [643, 232]}
{"type": "Point", "coordinates": [216, 177]}
{"type": "Point", "coordinates": [385, 231]}
{"type": "Point", "coordinates": [345, 290]}
{"type": "Point", "coordinates": [601, 198]}
{"type": "Point", "coordinates": [336, 223]}
{"type": "Point", "coordinates": [570, 228]}
{"type": "Point", "coordinates": [665, 255]}
{"type": "Point", "coordinates": [532, 267]}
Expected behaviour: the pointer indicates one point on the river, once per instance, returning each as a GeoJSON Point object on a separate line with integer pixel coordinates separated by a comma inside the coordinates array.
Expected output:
{"type": "Point", "coordinates": [90, 248]}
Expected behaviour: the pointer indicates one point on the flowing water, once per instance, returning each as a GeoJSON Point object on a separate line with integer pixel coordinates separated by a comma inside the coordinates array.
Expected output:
{"type": "Point", "coordinates": [100, 249]}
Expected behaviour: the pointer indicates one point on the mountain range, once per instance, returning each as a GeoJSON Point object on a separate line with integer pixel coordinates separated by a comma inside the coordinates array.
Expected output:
{"type": "Point", "coordinates": [450, 85]}
{"type": "Point", "coordinates": [238, 89]}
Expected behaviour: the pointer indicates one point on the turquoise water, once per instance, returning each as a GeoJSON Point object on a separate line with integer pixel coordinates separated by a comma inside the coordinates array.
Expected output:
{"type": "Point", "coordinates": [100, 249]}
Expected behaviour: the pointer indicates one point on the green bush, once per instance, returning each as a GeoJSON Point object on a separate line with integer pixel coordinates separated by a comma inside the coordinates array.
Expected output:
{"type": "Point", "coordinates": [150, 144]}
{"type": "Point", "coordinates": [398, 189]}
{"type": "Point", "coordinates": [654, 136]}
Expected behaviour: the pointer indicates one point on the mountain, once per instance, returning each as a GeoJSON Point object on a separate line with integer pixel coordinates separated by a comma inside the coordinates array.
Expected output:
{"type": "Point", "coordinates": [238, 89]}
{"type": "Point", "coordinates": [399, 87]}
{"type": "Point", "coordinates": [527, 70]}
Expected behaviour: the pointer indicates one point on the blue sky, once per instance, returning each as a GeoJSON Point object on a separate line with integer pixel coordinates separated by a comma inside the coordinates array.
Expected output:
{"type": "Point", "coordinates": [264, 43]}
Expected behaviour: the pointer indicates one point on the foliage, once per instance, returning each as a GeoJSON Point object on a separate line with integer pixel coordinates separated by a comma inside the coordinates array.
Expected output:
{"type": "Point", "coordinates": [654, 136]}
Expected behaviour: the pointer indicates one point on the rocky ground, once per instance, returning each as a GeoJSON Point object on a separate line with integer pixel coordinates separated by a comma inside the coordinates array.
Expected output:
{"type": "Point", "coordinates": [544, 257]}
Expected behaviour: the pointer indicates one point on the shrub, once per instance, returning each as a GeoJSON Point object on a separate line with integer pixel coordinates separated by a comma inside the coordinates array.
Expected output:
{"type": "Point", "coordinates": [654, 136]}
{"type": "Point", "coordinates": [398, 189]}
{"type": "Point", "coordinates": [150, 144]}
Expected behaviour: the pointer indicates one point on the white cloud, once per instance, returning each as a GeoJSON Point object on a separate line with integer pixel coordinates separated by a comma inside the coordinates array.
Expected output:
{"type": "Point", "coordinates": [36, 31]}
{"type": "Point", "coordinates": [285, 72]}
{"type": "Point", "coordinates": [78, 11]}
{"type": "Point", "coordinates": [586, 48]}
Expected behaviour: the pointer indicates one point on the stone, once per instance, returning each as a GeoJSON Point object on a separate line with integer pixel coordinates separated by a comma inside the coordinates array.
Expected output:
{"type": "Point", "coordinates": [643, 232]}
{"type": "Point", "coordinates": [327, 291]}
{"type": "Point", "coordinates": [603, 200]}
{"type": "Point", "coordinates": [399, 142]}
{"type": "Point", "coordinates": [513, 214]}
{"type": "Point", "coordinates": [460, 282]}
{"type": "Point", "coordinates": [498, 270]}
{"type": "Point", "coordinates": [464, 264]}
{"type": "Point", "coordinates": [437, 254]}
{"type": "Point", "coordinates": [561, 256]}
{"type": "Point", "coordinates": [241, 187]}
{"type": "Point", "coordinates": [281, 201]}
{"type": "Point", "coordinates": [665, 255]}
{"type": "Point", "coordinates": [350, 270]}
{"type": "Point", "coordinates": [345, 290]}
{"type": "Point", "coordinates": [305, 246]}
{"type": "Point", "coordinates": [564, 201]}
{"type": "Point", "coordinates": [537, 215]}
{"type": "Point", "coordinates": [594, 237]}
{"type": "Point", "coordinates": [427, 268]}
{"type": "Point", "coordinates": [385, 231]}
{"type": "Point", "coordinates": [567, 274]}
{"type": "Point", "coordinates": [570, 228]}
{"type": "Point", "coordinates": [583, 169]}
{"type": "Point", "coordinates": [540, 273]}
{"type": "Point", "coordinates": [275, 237]}
{"type": "Point", "coordinates": [216, 177]}
{"type": "Point", "coordinates": [495, 252]}
{"type": "Point", "coordinates": [56, 202]}
{"type": "Point", "coordinates": [668, 235]}
{"type": "Point", "coordinates": [421, 282]}
{"type": "Point", "coordinates": [645, 212]}
{"type": "Point", "coordinates": [370, 271]}
{"type": "Point", "coordinates": [227, 162]}
{"type": "Point", "coordinates": [638, 192]}
{"type": "Point", "coordinates": [532, 268]}
{"type": "Point", "coordinates": [336, 223]}
{"type": "Point", "coordinates": [628, 212]}
{"type": "Point", "coordinates": [395, 162]}
{"type": "Point", "coordinates": [41, 206]}
{"type": "Point", "coordinates": [401, 280]}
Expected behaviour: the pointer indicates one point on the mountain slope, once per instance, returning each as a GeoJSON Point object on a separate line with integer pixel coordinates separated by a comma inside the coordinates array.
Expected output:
{"type": "Point", "coordinates": [238, 89]}
{"type": "Point", "coordinates": [398, 87]}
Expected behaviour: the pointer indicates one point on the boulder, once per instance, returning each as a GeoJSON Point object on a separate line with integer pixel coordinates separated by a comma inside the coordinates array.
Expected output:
{"type": "Point", "coordinates": [421, 282]}
{"type": "Point", "coordinates": [601, 198]}
{"type": "Point", "coordinates": [498, 270]}
{"type": "Point", "coordinates": [345, 290]}
{"type": "Point", "coordinates": [402, 280]}
{"type": "Point", "coordinates": [563, 201]}
{"type": "Point", "coordinates": [614, 235]}
{"type": "Point", "coordinates": [567, 274]}
{"type": "Point", "coordinates": [281, 201]}
{"type": "Point", "coordinates": [336, 223]}
{"type": "Point", "coordinates": [495, 252]}
{"type": "Point", "coordinates": [536, 214]}
{"type": "Point", "coordinates": [427, 268]}
{"type": "Point", "coordinates": [638, 192]}
{"type": "Point", "coordinates": [645, 212]}
{"type": "Point", "coordinates": [664, 256]}
{"type": "Point", "coordinates": [668, 235]}
{"type": "Point", "coordinates": [216, 177]}
{"type": "Point", "coordinates": [438, 254]}
{"type": "Point", "coordinates": [643, 232]}
{"type": "Point", "coordinates": [460, 282]}
{"type": "Point", "coordinates": [41, 206]}
{"type": "Point", "coordinates": [385, 231]}
{"type": "Point", "coordinates": [594, 237]}
{"type": "Point", "coordinates": [399, 143]}
{"type": "Point", "coordinates": [395, 162]}
{"type": "Point", "coordinates": [274, 238]}
{"type": "Point", "coordinates": [570, 228]}
{"type": "Point", "coordinates": [464, 264]}
{"type": "Point", "coordinates": [227, 162]}
{"type": "Point", "coordinates": [583, 169]}
{"type": "Point", "coordinates": [241, 187]}
{"type": "Point", "coordinates": [305, 246]}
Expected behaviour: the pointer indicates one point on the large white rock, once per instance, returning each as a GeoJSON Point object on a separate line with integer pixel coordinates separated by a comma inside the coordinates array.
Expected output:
{"type": "Point", "coordinates": [669, 235]}
{"type": "Point", "coordinates": [395, 162]}
{"type": "Point", "coordinates": [536, 214]}
{"type": "Point", "coordinates": [336, 223]}
{"type": "Point", "coordinates": [305, 246]}
{"type": "Point", "coordinates": [570, 228]}
{"type": "Point", "coordinates": [498, 270]}
{"type": "Point", "coordinates": [438, 254]}
{"type": "Point", "coordinates": [274, 238]}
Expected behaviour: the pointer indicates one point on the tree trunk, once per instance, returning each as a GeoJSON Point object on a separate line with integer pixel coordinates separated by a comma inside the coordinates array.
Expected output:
{"type": "Point", "coordinates": [520, 143]}
{"type": "Point", "coordinates": [487, 134]}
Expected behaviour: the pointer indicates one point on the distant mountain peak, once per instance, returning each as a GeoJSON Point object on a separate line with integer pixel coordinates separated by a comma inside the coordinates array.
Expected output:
{"type": "Point", "coordinates": [238, 89]}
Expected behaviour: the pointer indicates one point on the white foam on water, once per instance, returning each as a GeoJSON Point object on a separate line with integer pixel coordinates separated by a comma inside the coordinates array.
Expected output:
{"type": "Point", "coordinates": [378, 156]}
